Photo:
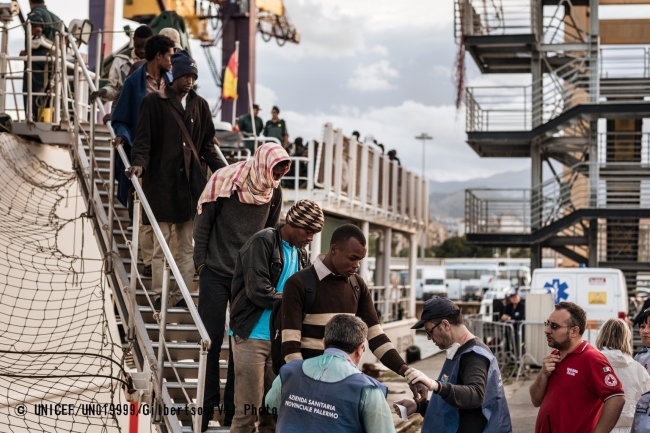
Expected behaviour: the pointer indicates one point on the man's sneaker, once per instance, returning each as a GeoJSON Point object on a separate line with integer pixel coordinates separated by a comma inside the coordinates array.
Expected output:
{"type": "Point", "coordinates": [146, 271]}
{"type": "Point", "coordinates": [182, 304]}
{"type": "Point", "coordinates": [157, 304]}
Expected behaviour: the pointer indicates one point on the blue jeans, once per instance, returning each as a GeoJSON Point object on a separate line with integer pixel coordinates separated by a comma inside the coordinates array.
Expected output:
{"type": "Point", "coordinates": [214, 295]}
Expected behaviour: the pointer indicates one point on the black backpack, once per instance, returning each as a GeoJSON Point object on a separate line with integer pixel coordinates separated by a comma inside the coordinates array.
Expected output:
{"type": "Point", "coordinates": [309, 283]}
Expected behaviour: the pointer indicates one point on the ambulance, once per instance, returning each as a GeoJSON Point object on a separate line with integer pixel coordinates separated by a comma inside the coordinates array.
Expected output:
{"type": "Point", "coordinates": [601, 292]}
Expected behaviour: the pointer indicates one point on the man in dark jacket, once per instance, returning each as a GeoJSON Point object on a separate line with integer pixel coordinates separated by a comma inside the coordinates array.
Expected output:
{"type": "Point", "coordinates": [263, 264]}
{"type": "Point", "coordinates": [154, 75]}
{"type": "Point", "coordinates": [172, 164]}
{"type": "Point", "coordinates": [45, 24]}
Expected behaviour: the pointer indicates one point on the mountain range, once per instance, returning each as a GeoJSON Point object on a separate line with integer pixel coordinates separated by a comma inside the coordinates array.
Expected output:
{"type": "Point", "coordinates": [447, 199]}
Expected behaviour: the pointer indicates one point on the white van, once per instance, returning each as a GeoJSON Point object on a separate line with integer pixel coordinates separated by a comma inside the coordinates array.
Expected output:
{"type": "Point", "coordinates": [498, 290]}
{"type": "Point", "coordinates": [601, 292]}
{"type": "Point", "coordinates": [433, 282]}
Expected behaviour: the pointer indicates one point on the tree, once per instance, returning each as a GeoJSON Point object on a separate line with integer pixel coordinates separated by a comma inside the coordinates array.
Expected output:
{"type": "Point", "coordinates": [457, 247]}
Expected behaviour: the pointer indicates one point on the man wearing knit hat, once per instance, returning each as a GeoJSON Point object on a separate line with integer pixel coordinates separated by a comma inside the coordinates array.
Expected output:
{"type": "Point", "coordinates": [263, 265]}
{"type": "Point", "coordinates": [173, 141]}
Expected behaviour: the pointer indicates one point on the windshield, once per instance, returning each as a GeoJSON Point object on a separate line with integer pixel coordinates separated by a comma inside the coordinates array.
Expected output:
{"type": "Point", "coordinates": [433, 282]}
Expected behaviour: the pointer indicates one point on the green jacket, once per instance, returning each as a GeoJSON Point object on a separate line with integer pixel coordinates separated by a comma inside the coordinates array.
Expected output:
{"type": "Point", "coordinates": [39, 16]}
{"type": "Point", "coordinates": [245, 124]}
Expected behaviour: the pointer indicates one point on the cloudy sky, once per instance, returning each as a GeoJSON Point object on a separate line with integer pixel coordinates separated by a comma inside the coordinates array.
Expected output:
{"type": "Point", "coordinates": [381, 67]}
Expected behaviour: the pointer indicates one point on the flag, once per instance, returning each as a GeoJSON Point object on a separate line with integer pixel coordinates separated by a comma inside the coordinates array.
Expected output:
{"type": "Point", "coordinates": [230, 79]}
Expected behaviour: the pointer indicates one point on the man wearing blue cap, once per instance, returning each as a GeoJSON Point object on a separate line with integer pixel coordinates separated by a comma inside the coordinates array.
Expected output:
{"type": "Point", "coordinates": [468, 395]}
{"type": "Point", "coordinates": [173, 143]}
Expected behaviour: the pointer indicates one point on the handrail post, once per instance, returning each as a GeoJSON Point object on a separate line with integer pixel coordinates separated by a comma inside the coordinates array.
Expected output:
{"type": "Point", "coordinates": [93, 122]}
{"type": "Point", "coordinates": [3, 66]}
{"type": "Point", "coordinates": [91, 162]}
{"type": "Point", "coordinates": [111, 202]}
{"type": "Point", "coordinates": [77, 92]}
{"type": "Point", "coordinates": [134, 268]}
{"type": "Point", "coordinates": [200, 389]}
{"type": "Point", "coordinates": [28, 38]}
{"type": "Point", "coordinates": [162, 328]}
{"type": "Point", "coordinates": [57, 79]}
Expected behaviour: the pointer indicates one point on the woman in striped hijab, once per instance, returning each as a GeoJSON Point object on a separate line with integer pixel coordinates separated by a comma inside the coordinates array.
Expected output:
{"type": "Point", "coordinates": [238, 201]}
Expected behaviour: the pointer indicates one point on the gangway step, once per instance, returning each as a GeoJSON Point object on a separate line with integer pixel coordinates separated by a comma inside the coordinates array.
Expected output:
{"type": "Point", "coordinates": [174, 332]}
{"type": "Point", "coordinates": [174, 315]}
{"type": "Point", "coordinates": [190, 370]}
{"type": "Point", "coordinates": [177, 390]}
{"type": "Point", "coordinates": [141, 299]}
{"type": "Point", "coordinates": [188, 351]}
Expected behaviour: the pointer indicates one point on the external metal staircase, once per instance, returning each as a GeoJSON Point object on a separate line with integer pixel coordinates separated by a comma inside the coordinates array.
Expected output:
{"type": "Point", "coordinates": [584, 109]}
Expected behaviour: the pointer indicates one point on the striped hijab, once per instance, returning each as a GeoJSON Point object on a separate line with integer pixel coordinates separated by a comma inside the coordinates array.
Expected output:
{"type": "Point", "coordinates": [252, 180]}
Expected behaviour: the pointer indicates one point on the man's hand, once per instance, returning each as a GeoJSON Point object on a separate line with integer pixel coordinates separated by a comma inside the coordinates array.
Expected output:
{"type": "Point", "coordinates": [117, 141]}
{"type": "Point", "coordinates": [414, 376]}
{"type": "Point", "coordinates": [216, 142]}
{"type": "Point", "coordinates": [409, 404]}
{"type": "Point", "coordinates": [133, 170]}
{"type": "Point", "coordinates": [101, 93]}
{"type": "Point", "coordinates": [107, 118]}
{"type": "Point", "coordinates": [548, 364]}
{"type": "Point", "coordinates": [505, 318]}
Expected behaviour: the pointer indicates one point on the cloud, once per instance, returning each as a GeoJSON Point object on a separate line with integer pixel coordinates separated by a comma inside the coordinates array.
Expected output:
{"type": "Point", "coordinates": [265, 97]}
{"type": "Point", "coordinates": [324, 32]}
{"type": "Point", "coordinates": [373, 77]}
{"type": "Point", "coordinates": [379, 49]}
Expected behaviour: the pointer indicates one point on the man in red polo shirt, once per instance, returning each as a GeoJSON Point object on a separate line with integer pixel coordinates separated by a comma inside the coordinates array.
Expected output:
{"type": "Point", "coordinates": [577, 390]}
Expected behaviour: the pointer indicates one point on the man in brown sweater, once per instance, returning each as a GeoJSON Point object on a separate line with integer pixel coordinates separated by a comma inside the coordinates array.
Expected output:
{"type": "Point", "coordinates": [303, 338]}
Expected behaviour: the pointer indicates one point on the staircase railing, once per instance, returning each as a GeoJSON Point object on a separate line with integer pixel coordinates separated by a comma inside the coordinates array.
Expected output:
{"type": "Point", "coordinates": [624, 77]}
{"type": "Point", "coordinates": [170, 268]}
{"type": "Point", "coordinates": [525, 210]}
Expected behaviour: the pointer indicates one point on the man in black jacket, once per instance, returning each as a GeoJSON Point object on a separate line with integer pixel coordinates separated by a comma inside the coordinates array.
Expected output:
{"type": "Point", "coordinates": [171, 165]}
{"type": "Point", "coordinates": [263, 265]}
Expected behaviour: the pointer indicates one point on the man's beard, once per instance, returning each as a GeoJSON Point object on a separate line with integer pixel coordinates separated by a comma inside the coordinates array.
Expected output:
{"type": "Point", "coordinates": [561, 344]}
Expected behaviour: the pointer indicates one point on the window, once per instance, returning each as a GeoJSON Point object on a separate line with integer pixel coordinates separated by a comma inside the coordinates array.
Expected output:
{"type": "Point", "coordinates": [433, 282]}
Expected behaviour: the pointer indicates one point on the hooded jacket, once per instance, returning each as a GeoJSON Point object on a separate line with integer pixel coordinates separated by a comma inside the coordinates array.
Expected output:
{"type": "Point", "coordinates": [635, 381]}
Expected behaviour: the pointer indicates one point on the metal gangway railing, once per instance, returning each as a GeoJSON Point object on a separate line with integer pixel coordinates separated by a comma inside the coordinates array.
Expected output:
{"type": "Point", "coordinates": [69, 112]}
{"type": "Point", "coordinates": [169, 266]}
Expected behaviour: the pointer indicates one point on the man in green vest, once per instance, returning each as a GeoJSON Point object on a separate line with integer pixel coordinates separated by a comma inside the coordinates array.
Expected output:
{"type": "Point", "coordinates": [44, 24]}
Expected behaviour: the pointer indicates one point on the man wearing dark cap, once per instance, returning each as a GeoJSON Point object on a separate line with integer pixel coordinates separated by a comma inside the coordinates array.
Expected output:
{"type": "Point", "coordinates": [245, 122]}
{"type": "Point", "coordinates": [277, 128]}
{"type": "Point", "coordinates": [516, 308]}
{"type": "Point", "coordinates": [172, 143]}
{"type": "Point", "coordinates": [262, 267]}
{"type": "Point", "coordinates": [468, 395]}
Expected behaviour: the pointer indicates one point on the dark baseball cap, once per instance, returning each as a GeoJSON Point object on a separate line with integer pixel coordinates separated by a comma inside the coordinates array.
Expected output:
{"type": "Point", "coordinates": [436, 308]}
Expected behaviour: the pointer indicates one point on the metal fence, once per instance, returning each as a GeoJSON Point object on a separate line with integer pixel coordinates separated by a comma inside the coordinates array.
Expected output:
{"type": "Point", "coordinates": [518, 346]}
